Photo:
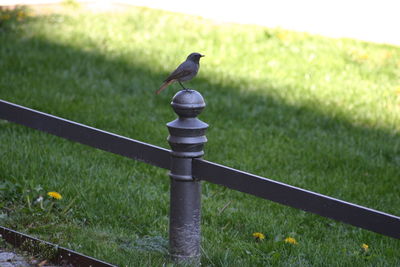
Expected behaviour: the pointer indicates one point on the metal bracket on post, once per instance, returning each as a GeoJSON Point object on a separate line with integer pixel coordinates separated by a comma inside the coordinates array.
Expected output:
{"type": "Point", "coordinates": [186, 138]}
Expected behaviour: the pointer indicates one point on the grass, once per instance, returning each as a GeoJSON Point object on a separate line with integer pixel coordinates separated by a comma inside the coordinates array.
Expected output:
{"type": "Point", "coordinates": [314, 112]}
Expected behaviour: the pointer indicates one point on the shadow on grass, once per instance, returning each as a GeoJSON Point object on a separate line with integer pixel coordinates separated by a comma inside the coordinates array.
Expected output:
{"type": "Point", "coordinates": [258, 133]}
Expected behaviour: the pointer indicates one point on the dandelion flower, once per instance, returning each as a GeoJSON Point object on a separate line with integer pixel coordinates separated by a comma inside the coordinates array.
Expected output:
{"type": "Point", "coordinates": [290, 240]}
{"type": "Point", "coordinates": [365, 247]}
{"type": "Point", "coordinates": [5, 17]}
{"type": "Point", "coordinates": [397, 91]}
{"type": "Point", "coordinates": [54, 195]}
{"type": "Point", "coordinates": [259, 236]}
{"type": "Point", "coordinates": [21, 15]}
{"type": "Point", "coordinates": [363, 56]}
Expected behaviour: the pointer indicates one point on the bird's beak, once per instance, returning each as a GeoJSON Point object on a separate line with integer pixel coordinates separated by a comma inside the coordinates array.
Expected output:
{"type": "Point", "coordinates": [202, 55]}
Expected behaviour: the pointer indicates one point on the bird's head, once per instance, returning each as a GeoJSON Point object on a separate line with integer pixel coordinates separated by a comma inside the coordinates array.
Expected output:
{"type": "Point", "coordinates": [195, 57]}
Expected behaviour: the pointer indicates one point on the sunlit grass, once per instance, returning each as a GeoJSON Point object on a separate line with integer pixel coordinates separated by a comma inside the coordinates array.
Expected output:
{"type": "Point", "coordinates": [310, 111]}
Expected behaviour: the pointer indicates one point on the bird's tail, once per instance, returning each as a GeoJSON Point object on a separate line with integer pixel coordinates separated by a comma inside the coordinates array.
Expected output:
{"type": "Point", "coordinates": [164, 85]}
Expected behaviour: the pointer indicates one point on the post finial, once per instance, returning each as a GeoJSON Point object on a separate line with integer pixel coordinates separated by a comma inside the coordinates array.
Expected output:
{"type": "Point", "coordinates": [188, 103]}
{"type": "Point", "coordinates": [187, 132]}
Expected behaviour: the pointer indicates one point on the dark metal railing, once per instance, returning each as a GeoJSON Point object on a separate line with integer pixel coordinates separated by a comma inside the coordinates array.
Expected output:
{"type": "Point", "coordinates": [298, 198]}
{"type": "Point", "coordinates": [54, 253]}
{"type": "Point", "coordinates": [86, 135]}
{"type": "Point", "coordinates": [187, 169]}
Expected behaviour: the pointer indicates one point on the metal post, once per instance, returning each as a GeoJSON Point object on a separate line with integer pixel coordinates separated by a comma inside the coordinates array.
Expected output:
{"type": "Point", "coordinates": [187, 138]}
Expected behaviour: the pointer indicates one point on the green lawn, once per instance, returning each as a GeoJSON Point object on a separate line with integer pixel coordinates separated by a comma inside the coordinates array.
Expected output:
{"type": "Point", "coordinates": [319, 113]}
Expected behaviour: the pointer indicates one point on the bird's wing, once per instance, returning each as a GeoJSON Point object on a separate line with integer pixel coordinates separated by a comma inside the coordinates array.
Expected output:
{"type": "Point", "coordinates": [184, 69]}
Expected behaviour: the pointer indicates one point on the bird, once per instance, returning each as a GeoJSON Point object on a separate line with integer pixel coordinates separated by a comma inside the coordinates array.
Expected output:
{"type": "Point", "coordinates": [184, 72]}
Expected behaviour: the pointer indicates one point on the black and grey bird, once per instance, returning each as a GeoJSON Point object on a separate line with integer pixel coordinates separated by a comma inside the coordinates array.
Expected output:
{"type": "Point", "coordinates": [184, 72]}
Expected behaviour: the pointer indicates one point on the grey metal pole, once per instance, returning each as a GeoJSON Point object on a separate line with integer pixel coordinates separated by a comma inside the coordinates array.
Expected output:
{"type": "Point", "coordinates": [187, 138]}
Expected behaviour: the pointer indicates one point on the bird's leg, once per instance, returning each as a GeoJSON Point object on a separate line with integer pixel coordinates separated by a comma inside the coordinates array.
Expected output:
{"type": "Point", "coordinates": [182, 85]}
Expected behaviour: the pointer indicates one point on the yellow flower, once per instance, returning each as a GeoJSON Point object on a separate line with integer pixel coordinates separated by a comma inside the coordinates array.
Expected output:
{"type": "Point", "coordinates": [54, 195]}
{"type": "Point", "coordinates": [363, 56]}
{"type": "Point", "coordinates": [283, 36]}
{"type": "Point", "coordinates": [365, 247]}
{"type": "Point", "coordinates": [259, 236]}
{"type": "Point", "coordinates": [290, 240]}
{"type": "Point", "coordinates": [5, 17]}
{"type": "Point", "coordinates": [21, 15]}
{"type": "Point", "coordinates": [397, 90]}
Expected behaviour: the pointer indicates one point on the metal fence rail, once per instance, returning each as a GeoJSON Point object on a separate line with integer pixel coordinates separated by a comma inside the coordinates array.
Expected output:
{"type": "Point", "coordinates": [295, 197]}
{"type": "Point", "coordinates": [87, 135]}
{"type": "Point", "coordinates": [56, 254]}
{"type": "Point", "coordinates": [187, 137]}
